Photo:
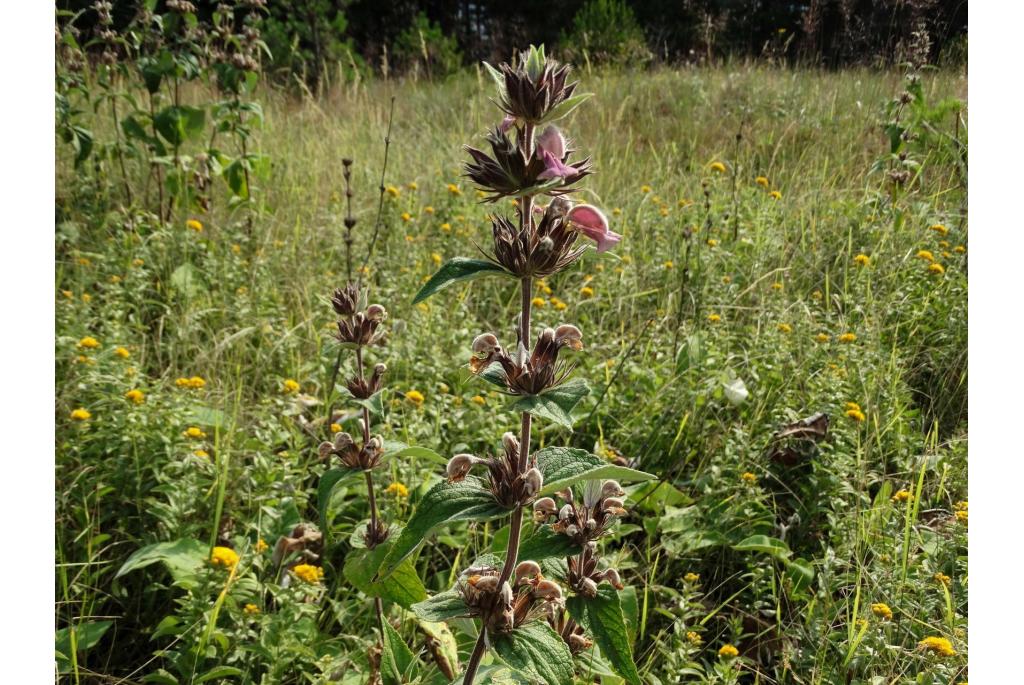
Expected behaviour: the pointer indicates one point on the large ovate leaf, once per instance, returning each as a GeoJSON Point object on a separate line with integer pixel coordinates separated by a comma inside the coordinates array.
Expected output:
{"type": "Point", "coordinates": [403, 586]}
{"type": "Point", "coordinates": [178, 124]}
{"type": "Point", "coordinates": [441, 607]}
{"type": "Point", "coordinates": [496, 674]}
{"type": "Point", "coordinates": [454, 270]}
{"type": "Point", "coordinates": [602, 618]}
{"type": "Point", "coordinates": [328, 482]}
{"type": "Point", "coordinates": [396, 658]}
{"type": "Point", "coordinates": [555, 404]}
{"type": "Point", "coordinates": [565, 466]}
{"type": "Point", "coordinates": [183, 559]}
{"type": "Point", "coordinates": [546, 543]}
{"type": "Point", "coordinates": [538, 652]}
{"type": "Point", "coordinates": [444, 503]}
{"type": "Point", "coordinates": [394, 449]}
{"type": "Point", "coordinates": [762, 543]}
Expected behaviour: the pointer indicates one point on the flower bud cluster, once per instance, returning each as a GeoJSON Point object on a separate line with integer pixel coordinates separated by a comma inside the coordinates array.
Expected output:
{"type": "Point", "coordinates": [525, 597]}
{"type": "Point", "coordinates": [549, 248]}
{"type": "Point", "coordinates": [355, 327]}
{"type": "Point", "coordinates": [533, 375]}
{"type": "Point", "coordinates": [352, 455]}
{"type": "Point", "coordinates": [509, 486]}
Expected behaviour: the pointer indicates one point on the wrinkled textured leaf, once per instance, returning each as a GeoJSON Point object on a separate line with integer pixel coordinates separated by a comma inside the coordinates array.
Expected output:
{"type": "Point", "coordinates": [537, 651]}
{"type": "Point", "coordinates": [403, 586]}
{"type": "Point", "coordinates": [454, 270]}
{"type": "Point", "coordinates": [496, 674]}
{"type": "Point", "coordinates": [604, 621]}
{"type": "Point", "coordinates": [441, 607]}
{"type": "Point", "coordinates": [546, 543]}
{"type": "Point", "coordinates": [396, 658]}
{"type": "Point", "coordinates": [565, 466]}
{"type": "Point", "coordinates": [441, 643]}
{"type": "Point", "coordinates": [444, 503]}
{"type": "Point", "coordinates": [555, 404]}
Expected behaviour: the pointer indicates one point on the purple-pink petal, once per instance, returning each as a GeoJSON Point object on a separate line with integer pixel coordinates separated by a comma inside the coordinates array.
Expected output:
{"type": "Point", "coordinates": [554, 168]}
{"type": "Point", "coordinates": [591, 222]}
{"type": "Point", "coordinates": [551, 140]}
{"type": "Point", "coordinates": [506, 123]}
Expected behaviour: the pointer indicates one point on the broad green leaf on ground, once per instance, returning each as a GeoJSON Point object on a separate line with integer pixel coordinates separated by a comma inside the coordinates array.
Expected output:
{"type": "Point", "coordinates": [444, 503]}
{"type": "Point", "coordinates": [85, 635]}
{"type": "Point", "coordinates": [536, 651]}
{"type": "Point", "coordinates": [762, 543]}
{"type": "Point", "coordinates": [455, 270]}
{"type": "Point", "coordinates": [565, 466]}
{"type": "Point", "coordinates": [396, 657]}
{"type": "Point", "coordinates": [604, 621]}
{"type": "Point", "coordinates": [403, 586]}
{"type": "Point", "coordinates": [441, 607]}
{"type": "Point", "coordinates": [397, 450]}
{"type": "Point", "coordinates": [328, 482]}
{"type": "Point", "coordinates": [555, 404]}
{"type": "Point", "coordinates": [546, 543]}
{"type": "Point", "coordinates": [217, 673]}
{"type": "Point", "coordinates": [183, 558]}
{"type": "Point", "coordinates": [444, 649]}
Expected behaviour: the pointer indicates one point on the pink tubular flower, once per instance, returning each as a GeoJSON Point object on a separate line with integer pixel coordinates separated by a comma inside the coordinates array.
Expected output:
{"type": "Point", "coordinates": [591, 222]}
{"type": "Point", "coordinates": [551, 147]}
{"type": "Point", "coordinates": [506, 123]}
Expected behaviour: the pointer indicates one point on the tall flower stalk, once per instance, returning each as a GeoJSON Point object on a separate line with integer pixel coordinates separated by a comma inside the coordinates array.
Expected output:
{"type": "Point", "coordinates": [525, 616]}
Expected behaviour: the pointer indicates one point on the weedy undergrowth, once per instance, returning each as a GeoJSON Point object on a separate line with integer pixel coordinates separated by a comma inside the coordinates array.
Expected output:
{"type": "Point", "coordinates": [551, 598]}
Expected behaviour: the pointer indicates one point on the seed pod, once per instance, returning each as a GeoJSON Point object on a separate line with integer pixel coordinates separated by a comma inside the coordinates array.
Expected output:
{"type": "Point", "coordinates": [459, 466]}
{"type": "Point", "coordinates": [548, 590]}
{"type": "Point", "coordinates": [612, 503]}
{"type": "Point", "coordinates": [571, 530]}
{"type": "Point", "coordinates": [485, 344]}
{"type": "Point", "coordinates": [486, 584]}
{"type": "Point", "coordinates": [612, 576]}
{"type": "Point", "coordinates": [380, 369]}
{"type": "Point", "coordinates": [588, 588]}
{"type": "Point", "coordinates": [565, 513]}
{"type": "Point", "coordinates": [343, 441]}
{"type": "Point", "coordinates": [325, 450]}
{"type": "Point", "coordinates": [534, 480]}
{"type": "Point", "coordinates": [570, 336]}
{"type": "Point", "coordinates": [526, 569]}
{"type": "Point", "coordinates": [611, 488]}
{"type": "Point", "coordinates": [543, 509]}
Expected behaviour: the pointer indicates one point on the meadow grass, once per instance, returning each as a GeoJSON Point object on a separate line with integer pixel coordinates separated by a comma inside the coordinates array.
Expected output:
{"type": "Point", "coordinates": [706, 289]}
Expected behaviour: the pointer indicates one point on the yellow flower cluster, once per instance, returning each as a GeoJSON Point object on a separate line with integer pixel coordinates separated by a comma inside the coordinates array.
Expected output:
{"type": "Point", "coordinates": [290, 386]}
{"type": "Point", "coordinates": [310, 574]}
{"type": "Point", "coordinates": [194, 432]}
{"type": "Point", "coordinates": [478, 399]}
{"type": "Point", "coordinates": [728, 652]}
{"type": "Point", "coordinates": [714, 318]}
{"type": "Point", "coordinates": [848, 338]}
{"type": "Point", "coordinates": [937, 645]}
{"type": "Point", "coordinates": [785, 328]}
{"type": "Point", "coordinates": [587, 291]}
{"type": "Point", "coordinates": [823, 337]}
{"type": "Point", "coordinates": [694, 638]}
{"type": "Point", "coordinates": [454, 189]}
{"type": "Point", "coordinates": [89, 343]}
{"type": "Point", "coordinates": [224, 556]}
{"type": "Point", "coordinates": [539, 302]}
{"type": "Point", "coordinates": [854, 412]}
{"type": "Point", "coordinates": [80, 414]}
{"type": "Point", "coordinates": [397, 489]}
{"type": "Point", "coordinates": [415, 396]}
{"type": "Point", "coordinates": [122, 352]}
{"type": "Point", "coordinates": [749, 478]}
{"type": "Point", "coordinates": [251, 609]}
{"type": "Point", "coordinates": [862, 260]}
{"type": "Point", "coordinates": [135, 395]}
{"type": "Point", "coordinates": [942, 578]}
{"type": "Point", "coordinates": [882, 611]}
{"type": "Point", "coordinates": [193, 383]}
{"type": "Point", "coordinates": [902, 496]}
{"type": "Point", "coordinates": [761, 181]}
{"type": "Point", "coordinates": [717, 167]}
{"type": "Point", "coordinates": [195, 225]}
{"type": "Point", "coordinates": [691, 577]}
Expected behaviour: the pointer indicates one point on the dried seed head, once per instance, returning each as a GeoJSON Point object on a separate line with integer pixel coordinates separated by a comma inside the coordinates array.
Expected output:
{"type": "Point", "coordinates": [565, 512]}
{"type": "Point", "coordinates": [611, 488]}
{"type": "Point", "coordinates": [572, 530]}
{"type": "Point", "coordinates": [485, 344]}
{"type": "Point", "coordinates": [526, 569]}
{"type": "Point", "coordinates": [548, 590]}
{"type": "Point", "coordinates": [376, 312]}
{"type": "Point", "coordinates": [343, 441]}
{"type": "Point", "coordinates": [534, 480]}
{"type": "Point", "coordinates": [380, 369]}
{"type": "Point", "coordinates": [484, 583]}
{"type": "Point", "coordinates": [459, 466]}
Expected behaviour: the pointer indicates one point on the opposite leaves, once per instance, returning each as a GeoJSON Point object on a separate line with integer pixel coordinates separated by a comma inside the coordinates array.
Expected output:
{"type": "Point", "coordinates": [565, 466]}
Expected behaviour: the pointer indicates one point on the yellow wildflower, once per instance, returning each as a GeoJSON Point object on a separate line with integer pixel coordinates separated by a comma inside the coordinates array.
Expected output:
{"type": "Point", "coordinates": [669, 264]}
{"type": "Point", "coordinates": [454, 189]}
{"type": "Point", "coordinates": [941, 577]}
{"type": "Point", "coordinates": [712, 242]}
{"type": "Point", "coordinates": [251, 609]}
{"type": "Point", "coordinates": [685, 202]}
{"type": "Point", "coordinates": [775, 195]}
{"type": "Point", "coordinates": [936, 268]}
{"type": "Point", "coordinates": [761, 181]}
{"type": "Point", "coordinates": [862, 260]}
{"type": "Point", "coordinates": [617, 211]}
{"type": "Point", "coordinates": [415, 396]}
{"type": "Point", "coordinates": [67, 293]}
{"type": "Point", "coordinates": [823, 337]}
{"type": "Point", "coordinates": [80, 414]}
{"type": "Point", "coordinates": [89, 342]}
{"type": "Point", "coordinates": [727, 279]}
{"type": "Point", "coordinates": [412, 185]}
{"type": "Point", "coordinates": [882, 611]}
{"type": "Point", "coordinates": [202, 454]}
{"type": "Point", "coordinates": [587, 291]}
{"type": "Point", "coordinates": [446, 227]}
{"type": "Point", "coordinates": [938, 228]}
{"type": "Point", "coordinates": [310, 574]}
{"type": "Point", "coordinates": [714, 318]}
{"type": "Point", "coordinates": [196, 382]}
{"type": "Point", "coordinates": [728, 652]}
{"type": "Point", "coordinates": [397, 489]}
{"type": "Point", "coordinates": [115, 279]}
{"type": "Point", "coordinates": [960, 248]}
{"type": "Point", "coordinates": [938, 645]}
{"type": "Point", "coordinates": [86, 297]}
{"type": "Point", "coordinates": [406, 217]}
{"type": "Point", "coordinates": [138, 262]}
{"type": "Point", "coordinates": [477, 399]}
{"type": "Point", "coordinates": [749, 478]}
{"type": "Point", "coordinates": [847, 338]}
{"type": "Point", "coordinates": [961, 505]}
{"type": "Point", "coordinates": [392, 191]}
{"type": "Point", "coordinates": [855, 414]}
{"type": "Point", "coordinates": [645, 189]}
{"type": "Point", "coordinates": [290, 386]}
{"type": "Point", "coordinates": [785, 328]}
{"type": "Point", "coordinates": [925, 255]}
{"type": "Point", "coordinates": [816, 295]}
{"type": "Point", "coordinates": [902, 496]}
{"type": "Point", "coordinates": [777, 285]}
{"type": "Point", "coordinates": [961, 516]}
{"type": "Point", "coordinates": [224, 556]}
{"type": "Point", "coordinates": [693, 638]}
{"type": "Point", "coordinates": [944, 244]}
{"type": "Point", "coordinates": [558, 304]}
{"type": "Point", "coordinates": [261, 546]}
{"type": "Point", "coordinates": [194, 432]}
{"type": "Point", "coordinates": [436, 258]}
{"type": "Point", "coordinates": [851, 406]}
{"type": "Point", "coordinates": [718, 166]}
{"type": "Point", "coordinates": [335, 428]}
{"type": "Point", "coordinates": [195, 225]}
{"type": "Point", "coordinates": [691, 577]}
{"type": "Point", "coordinates": [122, 352]}
{"type": "Point", "coordinates": [538, 302]}
{"type": "Point", "coordinates": [135, 395]}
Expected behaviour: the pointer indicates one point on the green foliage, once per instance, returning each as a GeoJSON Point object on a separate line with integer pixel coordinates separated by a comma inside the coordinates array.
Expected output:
{"type": "Point", "coordinates": [537, 652]}
{"type": "Point", "coordinates": [425, 46]}
{"type": "Point", "coordinates": [563, 467]}
{"type": "Point", "coordinates": [455, 270]}
{"type": "Point", "coordinates": [603, 618]}
{"type": "Point", "coordinates": [606, 32]}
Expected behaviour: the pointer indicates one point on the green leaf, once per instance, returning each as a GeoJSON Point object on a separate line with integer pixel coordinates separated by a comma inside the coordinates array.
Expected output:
{"type": "Point", "coordinates": [178, 124]}
{"type": "Point", "coordinates": [444, 503]}
{"type": "Point", "coordinates": [396, 450]}
{"type": "Point", "coordinates": [565, 466]}
{"type": "Point", "coordinates": [441, 607]}
{"type": "Point", "coordinates": [536, 651]}
{"type": "Point", "coordinates": [328, 482]}
{"type": "Point", "coordinates": [186, 280]}
{"type": "Point", "coordinates": [630, 610]}
{"type": "Point", "coordinates": [443, 646]}
{"type": "Point", "coordinates": [396, 658]}
{"type": "Point", "coordinates": [555, 404]}
{"type": "Point", "coordinates": [403, 587]}
{"type": "Point", "coordinates": [566, 106]}
{"type": "Point", "coordinates": [234, 174]}
{"type": "Point", "coordinates": [457, 269]}
{"type": "Point", "coordinates": [183, 558]}
{"type": "Point", "coordinates": [800, 573]}
{"type": "Point", "coordinates": [86, 636]}
{"type": "Point", "coordinates": [496, 674]}
{"type": "Point", "coordinates": [603, 620]}
{"type": "Point", "coordinates": [546, 543]}
{"type": "Point", "coordinates": [762, 543]}
{"type": "Point", "coordinates": [499, 80]}
{"type": "Point", "coordinates": [219, 672]}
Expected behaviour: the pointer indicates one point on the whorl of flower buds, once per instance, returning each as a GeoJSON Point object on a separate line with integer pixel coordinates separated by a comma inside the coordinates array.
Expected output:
{"type": "Point", "coordinates": [526, 597]}
{"type": "Point", "coordinates": [361, 328]}
{"type": "Point", "coordinates": [549, 248]}
{"type": "Point", "coordinates": [346, 300]}
{"type": "Point", "coordinates": [364, 388]}
{"type": "Point", "coordinates": [535, 86]}
{"type": "Point", "coordinates": [532, 375]}
{"type": "Point", "coordinates": [511, 169]}
{"type": "Point", "coordinates": [543, 509]}
{"type": "Point", "coordinates": [351, 454]}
